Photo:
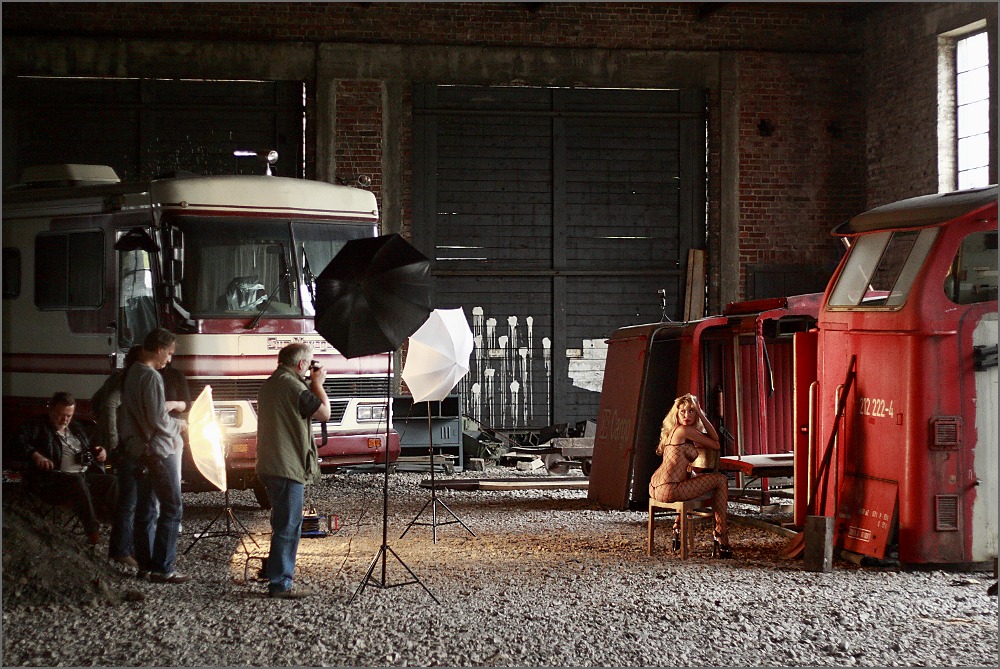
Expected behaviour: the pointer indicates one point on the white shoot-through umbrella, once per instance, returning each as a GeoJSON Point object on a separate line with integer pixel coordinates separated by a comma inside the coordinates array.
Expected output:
{"type": "Point", "coordinates": [438, 355]}
{"type": "Point", "coordinates": [205, 439]}
{"type": "Point", "coordinates": [206, 442]}
{"type": "Point", "coordinates": [436, 360]}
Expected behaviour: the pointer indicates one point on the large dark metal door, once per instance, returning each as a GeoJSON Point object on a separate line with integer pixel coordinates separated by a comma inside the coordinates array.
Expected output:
{"type": "Point", "coordinates": [143, 128]}
{"type": "Point", "coordinates": [553, 217]}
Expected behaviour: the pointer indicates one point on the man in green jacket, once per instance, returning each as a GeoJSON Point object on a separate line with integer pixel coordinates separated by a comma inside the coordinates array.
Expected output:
{"type": "Point", "coordinates": [286, 455]}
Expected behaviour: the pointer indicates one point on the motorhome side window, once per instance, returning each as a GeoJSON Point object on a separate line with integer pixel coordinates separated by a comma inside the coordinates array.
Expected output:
{"type": "Point", "coordinates": [11, 273]}
{"type": "Point", "coordinates": [69, 270]}
{"type": "Point", "coordinates": [881, 268]}
{"type": "Point", "coordinates": [973, 275]}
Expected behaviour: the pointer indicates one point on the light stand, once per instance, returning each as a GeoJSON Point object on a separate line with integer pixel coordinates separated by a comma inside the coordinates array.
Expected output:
{"type": "Point", "coordinates": [384, 551]}
{"type": "Point", "coordinates": [434, 501]}
{"type": "Point", "coordinates": [234, 528]}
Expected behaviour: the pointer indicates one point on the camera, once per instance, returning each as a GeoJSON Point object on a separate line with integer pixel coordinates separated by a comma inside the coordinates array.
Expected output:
{"type": "Point", "coordinates": [85, 458]}
{"type": "Point", "coordinates": [313, 366]}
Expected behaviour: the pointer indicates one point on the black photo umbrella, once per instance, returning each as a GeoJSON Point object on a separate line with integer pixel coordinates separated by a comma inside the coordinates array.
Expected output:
{"type": "Point", "coordinates": [373, 295]}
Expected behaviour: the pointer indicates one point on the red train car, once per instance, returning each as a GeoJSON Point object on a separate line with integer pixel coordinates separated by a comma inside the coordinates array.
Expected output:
{"type": "Point", "coordinates": [906, 347]}
{"type": "Point", "coordinates": [741, 364]}
{"type": "Point", "coordinates": [883, 388]}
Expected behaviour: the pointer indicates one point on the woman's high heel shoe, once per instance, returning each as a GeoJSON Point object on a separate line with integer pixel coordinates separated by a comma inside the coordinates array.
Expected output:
{"type": "Point", "coordinates": [721, 550]}
{"type": "Point", "coordinates": [677, 539]}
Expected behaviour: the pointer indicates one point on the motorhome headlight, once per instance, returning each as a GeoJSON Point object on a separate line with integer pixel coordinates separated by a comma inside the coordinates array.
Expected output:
{"type": "Point", "coordinates": [227, 416]}
{"type": "Point", "coordinates": [370, 412]}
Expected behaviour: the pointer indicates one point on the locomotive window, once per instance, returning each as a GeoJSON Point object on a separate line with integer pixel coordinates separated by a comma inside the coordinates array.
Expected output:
{"type": "Point", "coordinates": [69, 270]}
{"type": "Point", "coordinates": [973, 275]}
{"type": "Point", "coordinates": [880, 269]}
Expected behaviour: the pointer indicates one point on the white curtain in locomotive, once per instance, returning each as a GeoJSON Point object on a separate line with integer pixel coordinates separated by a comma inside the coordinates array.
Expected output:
{"type": "Point", "coordinates": [205, 439]}
{"type": "Point", "coordinates": [438, 355]}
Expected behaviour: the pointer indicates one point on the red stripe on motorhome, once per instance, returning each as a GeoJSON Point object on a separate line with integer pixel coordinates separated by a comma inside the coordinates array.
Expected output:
{"type": "Point", "coordinates": [263, 365]}
{"type": "Point", "coordinates": [56, 363]}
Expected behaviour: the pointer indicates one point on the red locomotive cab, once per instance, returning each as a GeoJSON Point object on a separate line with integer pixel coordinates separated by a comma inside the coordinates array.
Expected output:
{"type": "Point", "coordinates": [908, 337]}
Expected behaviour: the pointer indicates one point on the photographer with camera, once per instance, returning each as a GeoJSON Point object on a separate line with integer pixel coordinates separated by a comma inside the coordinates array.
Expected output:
{"type": "Point", "coordinates": [286, 456]}
{"type": "Point", "coordinates": [64, 468]}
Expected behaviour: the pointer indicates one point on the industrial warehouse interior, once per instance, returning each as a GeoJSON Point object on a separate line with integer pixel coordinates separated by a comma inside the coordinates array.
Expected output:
{"type": "Point", "coordinates": [537, 260]}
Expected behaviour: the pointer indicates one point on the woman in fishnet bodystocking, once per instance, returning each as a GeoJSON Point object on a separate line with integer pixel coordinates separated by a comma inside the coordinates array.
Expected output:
{"type": "Point", "coordinates": [674, 481]}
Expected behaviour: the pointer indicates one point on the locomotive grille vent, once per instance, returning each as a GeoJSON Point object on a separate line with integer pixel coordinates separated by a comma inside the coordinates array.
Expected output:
{"type": "Point", "coordinates": [946, 509]}
{"type": "Point", "coordinates": [946, 432]}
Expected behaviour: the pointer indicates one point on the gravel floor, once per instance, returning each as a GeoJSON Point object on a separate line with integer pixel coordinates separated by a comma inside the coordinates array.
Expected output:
{"type": "Point", "coordinates": [548, 580]}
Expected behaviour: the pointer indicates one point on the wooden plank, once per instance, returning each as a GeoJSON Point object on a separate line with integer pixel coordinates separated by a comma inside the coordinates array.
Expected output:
{"type": "Point", "coordinates": [694, 301]}
{"type": "Point", "coordinates": [516, 483]}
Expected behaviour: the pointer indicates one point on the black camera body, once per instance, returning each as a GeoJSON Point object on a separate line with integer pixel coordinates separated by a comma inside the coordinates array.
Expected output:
{"type": "Point", "coordinates": [85, 458]}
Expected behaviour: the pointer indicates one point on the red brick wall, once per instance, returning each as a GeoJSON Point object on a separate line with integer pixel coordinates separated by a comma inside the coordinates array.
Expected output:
{"type": "Point", "coordinates": [901, 89]}
{"type": "Point", "coordinates": [901, 83]}
{"type": "Point", "coordinates": [807, 176]}
{"type": "Point", "coordinates": [800, 68]}
{"type": "Point", "coordinates": [359, 132]}
{"type": "Point", "coordinates": [751, 26]}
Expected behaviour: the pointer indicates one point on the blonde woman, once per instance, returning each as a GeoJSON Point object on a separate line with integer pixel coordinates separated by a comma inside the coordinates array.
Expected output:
{"type": "Point", "coordinates": [684, 430]}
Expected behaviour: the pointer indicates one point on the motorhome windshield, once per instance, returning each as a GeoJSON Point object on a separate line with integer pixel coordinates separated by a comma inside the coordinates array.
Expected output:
{"type": "Point", "coordinates": [232, 265]}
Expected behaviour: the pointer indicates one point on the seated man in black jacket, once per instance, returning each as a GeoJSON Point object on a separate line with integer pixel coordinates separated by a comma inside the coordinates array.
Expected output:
{"type": "Point", "coordinates": [62, 466]}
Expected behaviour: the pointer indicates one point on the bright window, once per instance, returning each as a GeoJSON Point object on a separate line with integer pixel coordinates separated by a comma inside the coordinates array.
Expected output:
{"type": "Point", "coordinates": [972, 108]}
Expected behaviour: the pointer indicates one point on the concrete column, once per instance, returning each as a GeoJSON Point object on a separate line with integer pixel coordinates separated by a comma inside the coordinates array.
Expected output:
{"type": "Point", "coordinates": [326, 129]}
{"type": "Point", "coordinates": [729, 177]}
{"type": "Point", "coordinates": [392, 160]}
{"type": "Point", "coordinates": [818, 554]}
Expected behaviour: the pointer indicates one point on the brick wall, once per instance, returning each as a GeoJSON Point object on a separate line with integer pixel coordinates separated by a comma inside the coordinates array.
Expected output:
{"type": "Point", "coordinates": [806, 176]}
{"type": "Point", "coordinates": [359, 131]}
{"type": "Point", "coordinates": [901, 88]}
{"type": "Point", "coordinates": [849, 90]}
{"type": "Point", "coordinates": [786, 27]}
{"type": "Point", "coordinates": [901, 141]}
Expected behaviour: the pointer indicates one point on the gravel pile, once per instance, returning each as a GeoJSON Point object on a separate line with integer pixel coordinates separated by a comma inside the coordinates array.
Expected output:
{"type": "Point", "coordinates": [548, 580]}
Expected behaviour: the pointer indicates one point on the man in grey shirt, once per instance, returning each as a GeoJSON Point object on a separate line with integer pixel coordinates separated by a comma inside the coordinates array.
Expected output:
{"type": "Point", "coordinates": [151, 436]}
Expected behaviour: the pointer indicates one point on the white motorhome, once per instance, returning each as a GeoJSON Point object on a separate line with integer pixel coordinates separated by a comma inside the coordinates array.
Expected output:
{"type": "Point", "coordinates": [228, 263]}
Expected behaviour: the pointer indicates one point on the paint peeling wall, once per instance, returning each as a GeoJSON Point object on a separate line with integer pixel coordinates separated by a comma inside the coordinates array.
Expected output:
{"type": "Point", "coordinates": [510, 372]}
{"type": "Point", "coordinates": [509, 384]}
{"type": "Point", "coordinates": [586, 365]}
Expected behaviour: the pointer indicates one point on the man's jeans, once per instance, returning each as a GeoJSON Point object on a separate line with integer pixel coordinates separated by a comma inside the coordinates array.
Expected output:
{"type": "Point", "coordinates": [162, 484]}
{"type": "Point", "coordinates": [286, 528]}
{"type": "Point", "coordinates": [122, 543]}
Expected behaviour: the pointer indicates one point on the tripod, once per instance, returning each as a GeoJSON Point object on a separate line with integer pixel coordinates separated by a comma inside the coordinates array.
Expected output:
{"type": "Point", "coordinates": [234, 528]}
{"type": "Point", "coordinates": [383, 552]}
{"type": "Point", "coordinates": [433, 502]}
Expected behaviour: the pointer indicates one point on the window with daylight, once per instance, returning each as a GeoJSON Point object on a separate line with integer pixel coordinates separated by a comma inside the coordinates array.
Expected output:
{"type": "Point", "coordinates": [972, 110]}
{"type": "Point", "coordinates": [964, 108]}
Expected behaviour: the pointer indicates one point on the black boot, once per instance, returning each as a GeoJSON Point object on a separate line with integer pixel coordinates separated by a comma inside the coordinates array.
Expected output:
{"type": "Point", "coordinates": [721, 550]}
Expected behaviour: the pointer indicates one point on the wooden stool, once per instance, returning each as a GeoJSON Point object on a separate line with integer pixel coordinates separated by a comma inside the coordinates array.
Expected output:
{"type": "Point", "coordinates": [687, 510]}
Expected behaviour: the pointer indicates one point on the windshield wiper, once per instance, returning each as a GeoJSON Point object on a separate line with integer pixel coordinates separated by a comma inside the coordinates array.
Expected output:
{"type": "Point", "coordinates": [308, 275]}
{"type": "Point", "coordinates": [256, 319]}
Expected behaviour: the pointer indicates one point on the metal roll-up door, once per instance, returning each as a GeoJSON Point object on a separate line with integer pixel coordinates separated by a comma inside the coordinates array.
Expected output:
{"type": "Point", "coordinates": [553, 217]}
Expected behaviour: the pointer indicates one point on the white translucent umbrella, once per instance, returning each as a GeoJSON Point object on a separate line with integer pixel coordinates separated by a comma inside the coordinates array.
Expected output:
{"type": "Point", "coordinates": [438, 355]}
{"type": "Point", "coordinates": [205, 439]}
{"type": "Point", "coordinates": [436, 360]}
